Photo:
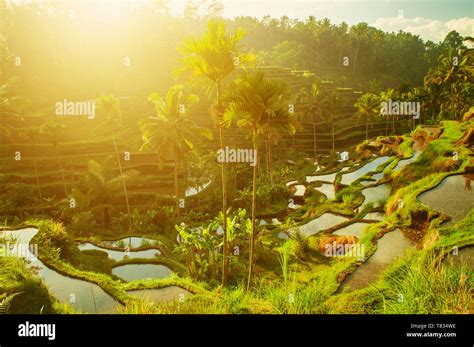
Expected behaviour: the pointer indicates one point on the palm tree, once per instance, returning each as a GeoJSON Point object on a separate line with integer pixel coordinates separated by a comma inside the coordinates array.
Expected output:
{"type": "Point", "coordinates": [331, 107]}
{"type": "Point", "coordinates": [170, 133]}
{"type": "Point", "coordinates": [212, 58]}
{"type": "Point", "coordinates": [368, 108]}
{"type": "Point", "coordinates": [111, 106]}
{"type": "Point", "coordinates": [9, 118]}
{"type": "Point", "coordinates": [359, 31]}
{"type": "Point", "coordinates": [313, 99]}
{"type": "Point", "coordinates": [386, 96]}
{"type": "Point", "coordinates": [258, 104]}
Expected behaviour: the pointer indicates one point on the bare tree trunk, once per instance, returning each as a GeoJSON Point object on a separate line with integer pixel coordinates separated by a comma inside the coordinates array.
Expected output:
{"type": "Point", "coordinates": [124, 186]}
{"type": "Point", "coordinates": [38, 185]}
{"type": "Point", "coordinates": [314, 140]}
{"type": "Point", "coordinates": [254, 203]}
{"type": "Point", "coordinates": [267, 156]}
{"type": "Point", "coordinates": [62, 172]}
{"type": "Point", "coordinates": [224, 210]}
{"type": "Point", "coordinates": [333, 141]}
{"type": "Point", "coordinates": [176, 186]}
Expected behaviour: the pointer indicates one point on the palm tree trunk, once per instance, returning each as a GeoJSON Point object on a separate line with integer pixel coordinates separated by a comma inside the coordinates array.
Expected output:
{"type": "Point", "coordinates": [333, 141]}
{"type": "Point", "coordinates": [254, 203]}
{"type": "Point", "coordinates": [37, 177]}
{"type": "Point", "coordinates": [38, 184]}
{"type": "Point", "coordinates": [224, 211]}
{"type": "Point", "coordinates": [356, 54]}
{"type": "Point", "coordinates": [267, 156]}
{"type": "Point", "coordinates": [224, 194]}
{"type": "Point", "coordinates": [124, 186]}
{"type": "Point", "coordinates": [176, 185]}
{"type": "Point", "coordinates": [62, 171]}
{"type": "Point", "coordinates": [314, 140]}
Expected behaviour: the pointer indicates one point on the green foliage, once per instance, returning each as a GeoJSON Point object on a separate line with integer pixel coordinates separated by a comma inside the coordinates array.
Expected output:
{"type": "Point", "coordinates": [16, 278]}
{"type": "Point", "coordinates": [422, 285]}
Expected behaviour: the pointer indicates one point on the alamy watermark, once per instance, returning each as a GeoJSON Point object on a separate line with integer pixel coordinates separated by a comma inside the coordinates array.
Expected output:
{"type": "Point", "coordinates": [400, 108]}
{"type": "Point", "coordinates": [335, 249]}
{"type": "Point", "coordinates": [76, 108]}
{"type": "Point", "coordinates": [21, 250]}
{"type": "Point", "coordinates": [242, 155]}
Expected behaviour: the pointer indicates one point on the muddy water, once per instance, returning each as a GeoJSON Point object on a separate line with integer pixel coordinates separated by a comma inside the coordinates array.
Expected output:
{"type": "Point", "coordinates": [355, 229]}
{"type": "Point", "coordinates": [166, 294]}
{"type": "Point", "coordinates": [132, 272]}
{"type": "Point", "coordinates": [300, 190]}
{"type": "Point", "coordinates": [325, 178]}
{"type": "Point", "coordinates": [348, 178]}
{"type": "Point", "coordinates": [375, 216]}
{"type": "Point", "coordinates": [327, 189]}
{"type": "Point", "coordinates": [451, 197]}
{"type": "Point", "coordinates": [404, 162]}
{"type": "Point", "coordinates": [389, 247]}
{"type": "Point", "coordinates": [121, 255]}
{"type": "Point", "coordinates": [82, 295]}
{"type": "Point", "coordinates": [374, 194]}
{"type": "Point", "coordinates": [132, 242]}
{"type": "Point", "coordinates": [325, 221]}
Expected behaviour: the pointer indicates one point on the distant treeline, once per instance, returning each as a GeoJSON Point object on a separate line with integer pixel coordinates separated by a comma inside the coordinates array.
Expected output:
{"type": "Point", "coordinates": [61, 49]}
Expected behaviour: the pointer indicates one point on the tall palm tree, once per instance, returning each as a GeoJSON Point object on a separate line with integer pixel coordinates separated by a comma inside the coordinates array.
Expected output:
{"type": "Point", "coordinates": [313, 99]}
{"type": "Point", "coordinates": [258, 104]}
{"type": "Point", "coordinates": [359, 32]}
{"type": "Point", "coordinates": [387, 95]}
{"type": "Point", "coordinates": [368, 108]}
{"type": "Point", "coordinates": [171, 133]}
{"type": "Point", "coordinates": [110, 104]}
{"type": "Point", "coordinates": [330, 108]}
{"type": "Point", "coordinates": [211, 58]}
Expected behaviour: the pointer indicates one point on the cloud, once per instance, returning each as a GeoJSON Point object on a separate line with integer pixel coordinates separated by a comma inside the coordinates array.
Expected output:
{"type": "Point", "coordinates": [428, 29]}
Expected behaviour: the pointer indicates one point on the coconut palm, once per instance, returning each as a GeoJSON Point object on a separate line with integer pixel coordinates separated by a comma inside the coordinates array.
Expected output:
{"type": "Point", "coordinates": [110, 104]}
{"type": "Point", "coordinates": [171, 133]}
{"type": "Point", "coordinates": [387, 95]}
{"type": "Point", "coordinates": [330, 108]}
{"type": "Point", "coordinates": [210, 59]}
{"type": "Point", "coordinates": [313, 100]}
{"type": "Point", "coordinates": [360, 33]}
{"type": "Point", "coordinates": [368, 108]}
{"type": "Point", "coordinates": [258, 104]}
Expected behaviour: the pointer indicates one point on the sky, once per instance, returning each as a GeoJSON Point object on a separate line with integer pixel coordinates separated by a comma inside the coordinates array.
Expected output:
{"type": "Point", "coordinates": [431, 19]}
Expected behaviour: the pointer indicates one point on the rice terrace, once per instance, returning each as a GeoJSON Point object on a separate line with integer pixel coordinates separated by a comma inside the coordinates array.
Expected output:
{"type": "Point", "coordinates": [206, 157]}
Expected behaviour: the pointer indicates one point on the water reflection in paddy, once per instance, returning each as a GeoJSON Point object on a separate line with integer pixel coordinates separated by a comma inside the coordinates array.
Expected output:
{"type": "Point", "coordinates": [120, 255]}
{"type": "Point", "coordinates": [453, 196]}
{"type": "Point", "coordinates": [325, 221]}
{"type": "Point", "coordinates": [82, 295]}
{"type": "Point", "coordinates": [132, 272]}
{"type": "Point", "coordinates": [350, 177]}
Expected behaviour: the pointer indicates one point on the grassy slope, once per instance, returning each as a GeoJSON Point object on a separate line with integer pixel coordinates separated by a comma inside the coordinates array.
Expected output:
{"type": "Point", "coordinates": [417, 283]}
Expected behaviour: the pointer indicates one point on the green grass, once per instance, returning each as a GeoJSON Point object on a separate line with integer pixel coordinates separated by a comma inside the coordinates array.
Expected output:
{"type": "Point", "coordinates": [15, 277]}
{"type": "Point", "coordinates": [426, 285]}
